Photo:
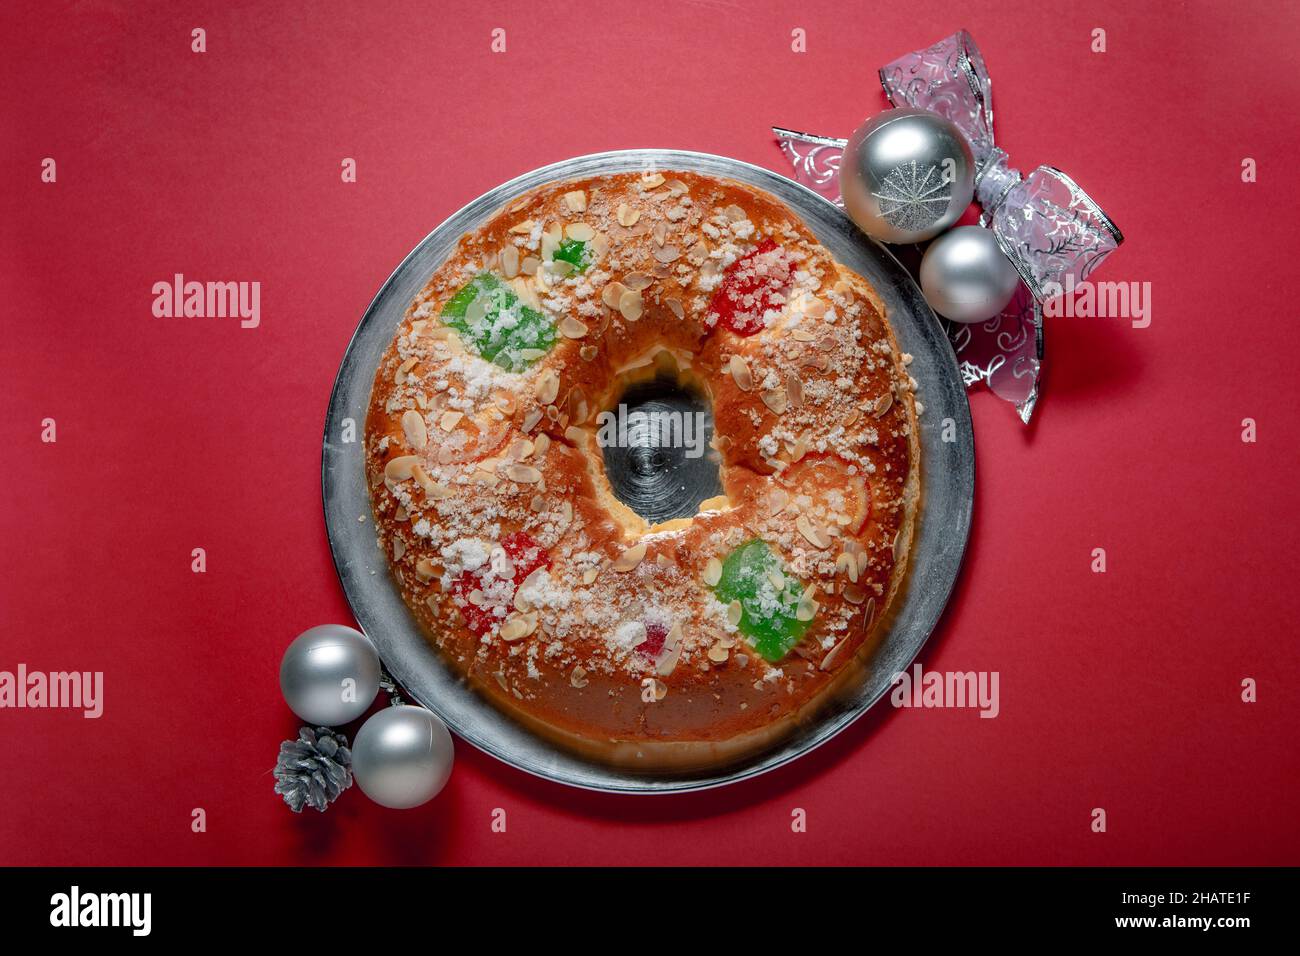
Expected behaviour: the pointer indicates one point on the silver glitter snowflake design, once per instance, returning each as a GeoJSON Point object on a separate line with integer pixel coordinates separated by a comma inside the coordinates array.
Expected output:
{"type": "Point", "coordinates": [913, 197]}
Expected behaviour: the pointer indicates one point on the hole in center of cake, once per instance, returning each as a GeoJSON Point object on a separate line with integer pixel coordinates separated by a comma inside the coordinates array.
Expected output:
{"type": "Point", "coordinates": [655, 440]}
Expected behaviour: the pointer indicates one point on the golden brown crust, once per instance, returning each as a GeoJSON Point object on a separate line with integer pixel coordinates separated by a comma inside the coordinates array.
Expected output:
{"type": "Point", "coordinates": [815, 430]}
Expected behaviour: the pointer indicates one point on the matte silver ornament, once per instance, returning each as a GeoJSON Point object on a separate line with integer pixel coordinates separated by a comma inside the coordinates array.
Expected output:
{"type": "Point", "coordinates": [966, 276]}
{"type": "Point", "coordinates": [329, 675]}
{"type": "Point", "coordinates": [906, 175]}
{"type": "Point", "coordinates": [402, 757]}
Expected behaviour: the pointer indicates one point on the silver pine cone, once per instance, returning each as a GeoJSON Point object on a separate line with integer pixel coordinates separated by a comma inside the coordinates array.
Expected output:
{"type": "Point", "coordinates": [314, 769]}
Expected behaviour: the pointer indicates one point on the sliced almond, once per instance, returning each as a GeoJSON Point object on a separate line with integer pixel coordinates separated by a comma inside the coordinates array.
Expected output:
{"type": "Point", "coordinates": [531, 419]}
{"type": "Point", "coordinates": [718, 654]}
{"type": "Point", "coordinates": [417, 435]}
{"type": "Point", "coordinates": [651, 180]}
{"type": "Point", "coordinates": [520, 449]}
{"type": "Point", "coordinates": [794, 389]}
{"type": "Point", "coordinates": [431, 488]}
{"type": "Point", "coordinates": [712, 572]}
{"type": "Point", "coordinates": [627, 216]}
{"type": "Point", "coordinates": [523, 474]}
{"type": "Point", "coordinates": [653, 690]}
{"type": "Point", "coordinates": [671, 653]}
{"type": "Point", "coordinates": [576, 200]}
{"type": "Point", "coordinates": [776, 399]}
{"type": "Point", "coordinates": [588, 353]}
{"type": "Point", "coordinates": [612, 294]}
{"type": "Point", "coordinates": [638, 281]}
{"type": "Point", "coordinates": [517, 627]}
{"type": "Point", "coordinates": [668, 254]}
{"type": "Point", "coordinates": [854, 594]}
{"type": "Point", "coordinates": [571, 328]}
{"type": "Point", "coordinates": [777, 499]}
{"type": "Point", "coordinates": [735, 213]}
{"type": "Point", "coordinates": [814, 536]}
{"type": "Point", "coordinates": [450, 420]}
{"type": "Point", "coordinates": [833, 655]}
{"type": "Point", "coordinates": [578, 677]}
{"type": "Point", "coordinates": [590, 575]}
{"type": "Point", "coordinates": [740, 373]}
{"type": "Point", "coordinates": [630, 305]}
{"type": "Point", "coordinates": [812, 306]}
{"type": "Point", "coordinates": [424, 570]}
{"type": "Point", "coordinates": [399, 377]}
{"type": "Point", "coordinates": [882, 404]}
{"type": "Point", "coordinates": [510, 262]}
{"type": "Point", "coordinates": [734, 613]}
{"type": "Point", "coordinates": [676, 306]}
{"type": "Point", "coordinates": [523, 228]}
{"type": "Point", "coordinates": [399, 468]}
{"type": "Point", "coordinates": [659, 233]}
{"type": "Point", "coordinates": [802, 335]}
{"type": "Point", "coordinates": [548, 387]}
{"type": "Point", "coordinates": [579, 231]}
{"type": "Point", "coordinates": [529, 265]}
{"type": "Point", "coordinates": [630, 558]}
{"type": "Point", "coordinates": [527, 290]}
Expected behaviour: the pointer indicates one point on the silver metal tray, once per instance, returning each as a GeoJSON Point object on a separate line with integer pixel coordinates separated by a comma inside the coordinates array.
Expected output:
{"type": "Point", "coordinates": [948, 483]}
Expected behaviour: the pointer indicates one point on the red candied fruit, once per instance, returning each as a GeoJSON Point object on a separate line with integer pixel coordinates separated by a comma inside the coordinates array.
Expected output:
{"type": "Point", "coordinates": [524, 553]}
{"type": "Point", "coordinates": [655, 635]}
{"type": "Point", "coordinates": [478, 619]}
{"type": "Point", "coordinates": [749, 287]}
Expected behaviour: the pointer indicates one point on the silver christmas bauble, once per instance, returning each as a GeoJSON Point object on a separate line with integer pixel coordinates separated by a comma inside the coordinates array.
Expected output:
{"type": "Point", "coordinates": [402, 757]}
{"type": "Point", "coordinates": [329, 675]}
{"type": "Point", "coordinates": [966, 276]}
{"type": "Point", "coordinates": [906, 175]}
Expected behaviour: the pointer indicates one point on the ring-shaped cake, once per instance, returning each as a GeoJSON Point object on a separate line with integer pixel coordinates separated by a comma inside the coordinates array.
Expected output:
{"type": "Point", "coordinates": [692, 641]}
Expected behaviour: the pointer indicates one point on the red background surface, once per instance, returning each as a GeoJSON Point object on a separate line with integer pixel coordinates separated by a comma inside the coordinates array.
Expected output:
{"type": "Point", "coordinates": [1118, 690]}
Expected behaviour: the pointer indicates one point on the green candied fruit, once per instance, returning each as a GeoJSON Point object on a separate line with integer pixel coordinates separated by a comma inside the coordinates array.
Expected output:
{"type": "Point", "coordinates": [574, 251]}
{"type": "Point", "coordinates": [493, 322]}
{"type": "Point", "coordinates": [768, 616]}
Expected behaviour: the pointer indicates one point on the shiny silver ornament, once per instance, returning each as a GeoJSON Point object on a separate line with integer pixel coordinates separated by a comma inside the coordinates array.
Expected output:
{"type": "Point", "coordinates": [329, 675]}
{"type": "Point", "coordinates": [966, 276]}
{"type": "Point", "coordinates": [402, 757]}
{"type": "Point", "coordinates": [906, 175]}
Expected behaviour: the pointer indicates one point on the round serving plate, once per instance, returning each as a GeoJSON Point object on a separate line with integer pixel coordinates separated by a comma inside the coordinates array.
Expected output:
{"type": "Point", "coordinates": [947, 483]}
